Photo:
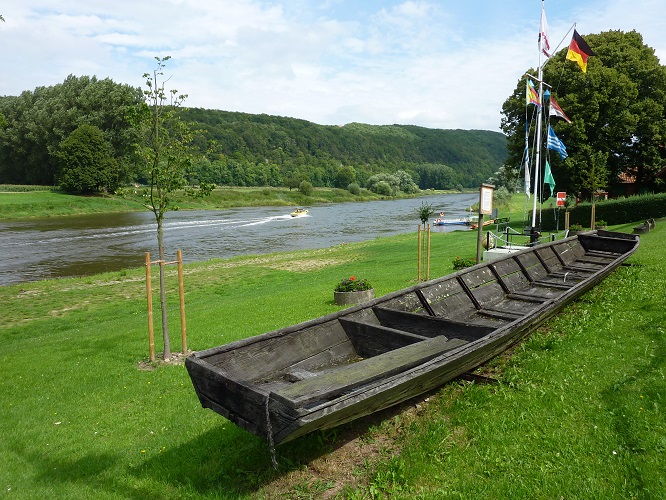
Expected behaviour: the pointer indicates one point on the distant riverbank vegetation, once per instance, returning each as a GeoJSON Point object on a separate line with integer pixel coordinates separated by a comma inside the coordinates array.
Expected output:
{"type": "Point", "coordinates": [20, 201]}
{"type": "Point", "coordinates": [81, 135]}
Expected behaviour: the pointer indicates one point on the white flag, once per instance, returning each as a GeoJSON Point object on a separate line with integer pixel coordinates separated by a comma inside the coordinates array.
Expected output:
{"type": "Point", "coordinates": [544, 45]}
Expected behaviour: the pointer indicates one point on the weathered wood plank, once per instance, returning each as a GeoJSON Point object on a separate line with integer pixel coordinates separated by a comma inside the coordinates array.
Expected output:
{"type": "Point", "coordinates": [333, 383]}
{"type": "Point", "coordinates": [431, 326]}
{"type": "Point", "coordinates": [371, 340]}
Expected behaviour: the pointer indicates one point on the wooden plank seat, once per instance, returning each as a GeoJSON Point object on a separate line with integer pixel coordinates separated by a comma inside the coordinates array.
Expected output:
{"type": "Point", "coordinates": [371, 339]}
{"type": "Point", "coordinates": [499, 314]}
{"type": "Point", "coordinates": [335, 382]}
{"type": "Point", "coordinates": [552, 284]}
{"type": "Point", "coordinates": [527, 297]}
{"type": "Point", "coordinates": [431, 326]}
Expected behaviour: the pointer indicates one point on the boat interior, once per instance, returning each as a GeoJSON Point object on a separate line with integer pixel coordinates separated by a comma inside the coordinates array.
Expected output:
{"type": "Point", "coordinates": [326, 359]}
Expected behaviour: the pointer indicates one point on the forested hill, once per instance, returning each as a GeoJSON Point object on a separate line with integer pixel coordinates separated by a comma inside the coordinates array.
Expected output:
{"type": "Point", "coordinates": [440, 159]}
{"type": "Point", "coordinates": [41, 132]}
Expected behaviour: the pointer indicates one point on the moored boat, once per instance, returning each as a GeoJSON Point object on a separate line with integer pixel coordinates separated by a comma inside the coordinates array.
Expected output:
{"type": "Point", "coordinates": [324, 372]}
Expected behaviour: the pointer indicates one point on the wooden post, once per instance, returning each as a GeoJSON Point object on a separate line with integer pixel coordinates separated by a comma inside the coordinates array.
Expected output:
{"type": "Point", "coordinates": [428, 256]}
{"type": "Point", "coordinates": [566, 220]}
{"type": "Point", "coordinates": [418, 271]}
{"type": "Point", "coordinates": [594, 214]}
{"type": "Point", "coordinates": [479, 238]}
{"type": "Point", "coordinates": [149, 296]}
{"type": "Point", "coordinates": [181, 288]}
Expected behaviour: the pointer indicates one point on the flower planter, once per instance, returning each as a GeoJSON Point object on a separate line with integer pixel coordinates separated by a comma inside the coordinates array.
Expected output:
{"type": "Point", "coordinates": [347, 298]}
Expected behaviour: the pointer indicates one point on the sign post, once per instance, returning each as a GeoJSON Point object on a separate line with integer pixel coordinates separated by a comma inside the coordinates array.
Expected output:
{"type": "Point", "coordinates": [485, 208]}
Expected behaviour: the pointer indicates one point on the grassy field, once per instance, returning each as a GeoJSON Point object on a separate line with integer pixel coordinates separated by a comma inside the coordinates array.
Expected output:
{"type": "Point", "coordinates": [578, 412]}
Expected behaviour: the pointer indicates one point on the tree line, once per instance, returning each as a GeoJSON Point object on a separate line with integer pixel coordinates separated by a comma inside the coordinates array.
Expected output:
{"type": "Point", "coordinates": [81, 135]}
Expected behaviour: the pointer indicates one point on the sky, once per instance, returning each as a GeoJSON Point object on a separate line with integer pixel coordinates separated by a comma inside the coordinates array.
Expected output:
{"type": "Point", "coordinates": [446, 64]}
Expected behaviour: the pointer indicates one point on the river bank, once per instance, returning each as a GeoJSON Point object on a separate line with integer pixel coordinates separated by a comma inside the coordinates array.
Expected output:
{"type": "Point", "coordinates": [25, 203]}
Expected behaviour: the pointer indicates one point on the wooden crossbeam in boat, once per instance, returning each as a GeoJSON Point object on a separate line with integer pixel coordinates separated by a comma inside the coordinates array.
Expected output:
{"type": "Point", "coordinates": [527, 298]}
{"type": "Point", "coordinates": [557, 254]}
{"type": "Point", "coordinates": [499, 279]}
{"type": "Point", "coordinates": [562, 286]}
{"type": "Point", "coordinates": [428, 325]}
{"type": "Point", "coordinates": [543, 262]}
{"type": "Point", "coordinates": [523, 269]}
{"type": "Point", "coordinates": [596, 261]}
{"type": "Point", "coordinates": [469, 293]}
{"type": "Point", "coordinates": [371, 340]}
{"type": "Point", "coordinates": [497, 314]}
{"type": "Point", "coordinates": [424, 302]}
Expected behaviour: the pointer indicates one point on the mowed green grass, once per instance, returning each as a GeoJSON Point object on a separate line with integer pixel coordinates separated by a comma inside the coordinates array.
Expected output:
{"type": "Point", "coordinates": [85, 420]}
{"type": "Point", "coordinates": [579, 412]}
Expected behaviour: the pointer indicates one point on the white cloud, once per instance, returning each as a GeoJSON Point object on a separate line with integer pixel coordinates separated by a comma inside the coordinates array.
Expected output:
{"type": "Point", "coordinates": [437, 64]}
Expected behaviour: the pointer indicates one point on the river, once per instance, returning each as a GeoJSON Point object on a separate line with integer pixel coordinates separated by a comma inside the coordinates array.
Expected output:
{"type": "Point", "coordinates": [35, 249]}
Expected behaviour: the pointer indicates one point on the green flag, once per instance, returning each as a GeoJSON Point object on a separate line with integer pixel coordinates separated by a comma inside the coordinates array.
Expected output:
{"type": "Point", "coordinates": [549, 179]}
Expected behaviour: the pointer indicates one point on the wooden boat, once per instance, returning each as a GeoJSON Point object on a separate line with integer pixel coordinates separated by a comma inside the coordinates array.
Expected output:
{"type": "Point", "coordinates": [319, 374]}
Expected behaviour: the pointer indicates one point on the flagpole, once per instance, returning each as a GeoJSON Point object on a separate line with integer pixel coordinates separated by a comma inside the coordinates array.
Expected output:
{"type": "Point", "coordinates": [537, 165]}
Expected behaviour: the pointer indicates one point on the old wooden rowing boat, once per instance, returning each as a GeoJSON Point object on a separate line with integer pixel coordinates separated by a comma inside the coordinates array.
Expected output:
{"type": "Point", "coordinates": [319, 374]}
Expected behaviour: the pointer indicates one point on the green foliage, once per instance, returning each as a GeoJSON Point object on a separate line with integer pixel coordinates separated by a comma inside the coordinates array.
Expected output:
{"type": "Point", "coordinates": [345, 176]}
{"type": "Point", "coordinates": [354, 188]}
{"type": "Point", "coordinates": [305, 188]}
{"type": "Point", "coordinates": [617, 110]}
{"type": "Point", "coordinates": [353, 284]}
{"type": "Point", "coordinates": [462, 263]}
{"type": "Point", "coordinates": [615, 211]}
{"type": "Point", "coordinates": [86, 162]}
{"type": "Point", "coordinates": [425, 211]}
{"type": "Point", "coordinates": [38, 121]}
{"type": "Point", "coordinates": [501, 197]}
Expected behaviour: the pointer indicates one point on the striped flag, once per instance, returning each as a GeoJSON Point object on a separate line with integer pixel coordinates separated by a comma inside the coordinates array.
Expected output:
{"type": "Point", "coordinates": [556, 144]}
{"type": "Point", "coordinates": [532, 94]}
{"type": "Point", "coordinates": [579, 51]}
{"type": "Point", "coordinates": [556, 111]}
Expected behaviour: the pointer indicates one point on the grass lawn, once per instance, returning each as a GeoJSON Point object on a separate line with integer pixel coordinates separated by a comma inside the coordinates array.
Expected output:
{"type": "Point", "coordinates": [578, 412]}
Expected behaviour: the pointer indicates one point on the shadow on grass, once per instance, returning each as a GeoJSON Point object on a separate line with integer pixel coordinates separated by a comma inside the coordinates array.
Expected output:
{"type": "Point", "coordinates": [231, 462]}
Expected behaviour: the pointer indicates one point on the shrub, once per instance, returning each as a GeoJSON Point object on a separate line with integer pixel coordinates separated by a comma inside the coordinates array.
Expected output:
{"type": "Point", "coordinates": [354, 189]}
{"type": "Point", "coordinates": [305, 188]}
{"type": "Point", "coordinates": [353, 284]}
{"type": "Point", "coordinates": [459, 263]}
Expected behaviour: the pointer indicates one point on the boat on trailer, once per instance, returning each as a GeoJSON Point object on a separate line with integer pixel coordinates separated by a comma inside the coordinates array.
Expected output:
{"type": "Point", "coordinates": [324, 372]}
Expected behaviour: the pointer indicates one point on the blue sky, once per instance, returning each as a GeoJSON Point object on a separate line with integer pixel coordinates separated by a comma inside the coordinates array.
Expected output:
{"type": "Point", "coordinates": [438, 63]}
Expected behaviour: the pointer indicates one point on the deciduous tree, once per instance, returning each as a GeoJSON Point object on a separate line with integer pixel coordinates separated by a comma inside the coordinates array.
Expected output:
{"type": "Point", "coordinates": [618, 109]}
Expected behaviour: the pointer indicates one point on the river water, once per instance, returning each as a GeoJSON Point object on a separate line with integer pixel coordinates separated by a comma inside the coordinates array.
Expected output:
{"type": "Point", "coordinates": [34, 249]}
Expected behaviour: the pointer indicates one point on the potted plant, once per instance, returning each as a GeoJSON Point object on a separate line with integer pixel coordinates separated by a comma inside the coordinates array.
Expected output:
{"type": "Point", "coordinates": [575, 229]}
{"type": "Point", "coordinates": [601, 224]}
{"type": "Point", "coordinates": [353, 290]}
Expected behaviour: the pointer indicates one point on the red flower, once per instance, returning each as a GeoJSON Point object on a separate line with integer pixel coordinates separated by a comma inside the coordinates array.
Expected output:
{"type": "Point", "coordinates": [352, 278]}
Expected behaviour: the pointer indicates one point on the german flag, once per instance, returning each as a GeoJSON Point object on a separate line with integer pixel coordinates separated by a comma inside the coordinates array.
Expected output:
{"type": "Point", "coordinates": [579, 51]}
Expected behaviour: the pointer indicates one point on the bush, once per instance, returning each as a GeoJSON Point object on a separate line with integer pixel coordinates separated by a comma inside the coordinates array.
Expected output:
{"type": "Point", "coordinates": [383, 188]}
{"type": "Point", "coordinates": [459, 263]}
{"type": "Point", "coordinates": [305, 188]}
{"type": "Point", "coordinates": [615, 212]}
{"type": "Point", "coordinates": [354, 189]}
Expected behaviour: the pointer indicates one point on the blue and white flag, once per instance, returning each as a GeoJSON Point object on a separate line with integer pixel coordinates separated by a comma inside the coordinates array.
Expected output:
{"type": "Point", "coordinates": [555, 143]}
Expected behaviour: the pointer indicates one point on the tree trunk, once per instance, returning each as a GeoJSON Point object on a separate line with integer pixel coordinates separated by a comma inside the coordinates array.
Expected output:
{"type": "Point", "coordinates": [165, 325]}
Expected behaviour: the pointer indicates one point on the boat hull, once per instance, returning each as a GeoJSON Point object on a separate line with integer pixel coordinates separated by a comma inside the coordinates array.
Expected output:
{"type": "Point", "coordinates": [328, 371]}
